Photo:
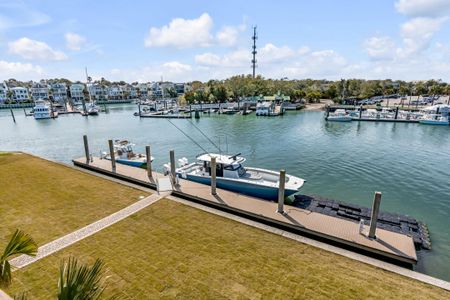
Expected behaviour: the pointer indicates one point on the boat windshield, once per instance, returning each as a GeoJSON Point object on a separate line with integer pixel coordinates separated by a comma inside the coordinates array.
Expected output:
{"type": "Point", "coordinates": [236, 167]}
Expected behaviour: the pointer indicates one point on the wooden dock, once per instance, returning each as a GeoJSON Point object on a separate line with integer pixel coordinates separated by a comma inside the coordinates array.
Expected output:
{"type": "Point", "coordinates": [389, 246]}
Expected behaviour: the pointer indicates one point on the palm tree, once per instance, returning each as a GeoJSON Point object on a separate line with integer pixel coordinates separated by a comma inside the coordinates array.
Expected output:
{"type": "Point", "coordinates": [20, 243]}
{"type": "Point", "coordinates": [77, 281]}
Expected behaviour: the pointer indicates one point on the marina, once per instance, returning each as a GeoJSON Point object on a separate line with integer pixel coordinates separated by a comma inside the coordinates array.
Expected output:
{"type": "Point", "coordinates": [359, 147]}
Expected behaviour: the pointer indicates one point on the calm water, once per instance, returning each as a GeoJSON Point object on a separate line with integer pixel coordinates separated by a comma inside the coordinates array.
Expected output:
{"type": "Point", "coordinates": [409, 163]}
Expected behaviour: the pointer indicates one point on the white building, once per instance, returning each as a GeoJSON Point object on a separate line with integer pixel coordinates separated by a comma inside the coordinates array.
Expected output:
{"type": "Point", "coordinates": [20, 94]}
{"type": "Point", "coordinates": [115, 92]}
{"type": "Point", "coordinates": [39, 90]}
{"type": "Point", "coordinates": [143, 90]}
{"type": "Point", "coordinates": [77, 92]}
{"type": "Point", "coordinates": [3, 92]}
{"type": "Point", "coordinates": [59, 91]}
{"type": "Point", "coordinates": [98, 92]}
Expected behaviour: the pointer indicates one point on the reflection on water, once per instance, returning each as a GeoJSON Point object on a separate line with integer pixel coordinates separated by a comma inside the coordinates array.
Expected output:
{"type": "Point", "coordinates": [409, 163]}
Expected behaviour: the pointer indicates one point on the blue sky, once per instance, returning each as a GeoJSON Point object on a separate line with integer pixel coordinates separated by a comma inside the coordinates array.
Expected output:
{"type": "Point", "coordinates": [188, 40]}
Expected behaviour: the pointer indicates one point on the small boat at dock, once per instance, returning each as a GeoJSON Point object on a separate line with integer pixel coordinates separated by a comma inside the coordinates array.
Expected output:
{"type": "Point", "coordinates": [42, 110]}
{"type": "Point", "coordinates": [232, 175]}
{"type": "Point", "coordinates": [434, 119]}
{"type": "Point", "coordinates": [124, 154]}
{"type": "Point", "coordinates": [340, 115]}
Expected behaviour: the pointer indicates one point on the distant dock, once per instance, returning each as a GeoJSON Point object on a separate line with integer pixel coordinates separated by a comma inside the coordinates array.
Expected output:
{"type": "Point", "coordinates": [390, 246]}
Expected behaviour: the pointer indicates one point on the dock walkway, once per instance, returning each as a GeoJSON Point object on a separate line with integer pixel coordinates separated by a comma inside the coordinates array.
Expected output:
{"type": "Point", "coordinates": [391, 246]}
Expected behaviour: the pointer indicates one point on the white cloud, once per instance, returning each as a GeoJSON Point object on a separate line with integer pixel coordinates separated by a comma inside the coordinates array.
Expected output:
{"type": "Point", "coordinates": [228, 36]}
{"type": "Point", "coordinates": [182, 33]}
{"type": "Point", "coordinates": [423, 8]}
{"type": "Point", "coordinates": [74, 41]}
{"type": "Point", "coordinates": [304, 50]}
{"type": "Point", "coordinates": [237, 58]}
{"type": "Point", "coordinates": [176, 67]}
{"type": "Point", "coordinates": [417, 34]}
{"type": "Point", "coordinates": [172, 71]}
{"type": "Point", "coordinates": [34, 50]}
{"type": "Point", "coordinates": [271, 53]}
{"type": "Point", "coordinates": [20, 71]}
{"type": "Point", "coordinates": [382, 47]}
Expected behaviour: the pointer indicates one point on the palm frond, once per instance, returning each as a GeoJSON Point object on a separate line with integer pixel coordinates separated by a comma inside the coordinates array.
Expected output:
{"type": "Point", "coordinates": [78, 281]}
{"type": "Point", "coordinates": [20, 243]}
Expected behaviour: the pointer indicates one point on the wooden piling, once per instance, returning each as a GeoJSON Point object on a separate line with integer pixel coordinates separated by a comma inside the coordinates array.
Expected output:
{"type": "Point", "coordinates": [360, 112]}
{"type": "Point", "coordinates": [12, 115]}
{"type": "Point", "coordinates": [396, 113]}
{"type": "Point", "coordinates": [213, 176]}
{"type": "Point", "coordinates": [374, 215]}
{"type": "Point", "coordinates": [281, 186]}
{"type": "Point", "coordinates": [86, 148]}
{"type": "Point", "coordinates": [139, 108]}
{"type": "Point", "coordinates": [149, 161]}
{"type": "Point", "coordinates": [172, 166]}
{"type": "Point", "coordinates": [24, 112]}
{"type": "Point", "coordinates": [112, 155]}
{"type": "Point", "coordinates": [197, 114]}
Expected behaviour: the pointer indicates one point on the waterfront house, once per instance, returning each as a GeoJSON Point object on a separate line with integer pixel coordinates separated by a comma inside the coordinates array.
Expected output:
{"type": "Point", "coordinates": [20, 94]}
{"type": "Point", "coordinates": [115, 92]}
{"type": "Point", "coordinates": [3, 92]}
{"type": "Point", "coordinates": [182, 88]}
{"type": "Point", "coordinates": [129, 91]}
{"type": "Point", "coordinates": [39, 90]}
{"type": "Point", "coordinates": [59, 92]}
{"type": "Point", "coordinates": [98, 92]}
{"type": "Point", "coordinates": [142, 89]}
{"type": "Point", "coordinates": [77, 93]}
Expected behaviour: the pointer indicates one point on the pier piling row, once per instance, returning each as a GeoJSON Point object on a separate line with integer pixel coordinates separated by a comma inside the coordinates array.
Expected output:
{"type": "Point", "coordinates": [389, 246]}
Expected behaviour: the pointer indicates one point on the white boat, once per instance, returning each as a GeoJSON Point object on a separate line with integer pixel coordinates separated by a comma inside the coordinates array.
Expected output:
{"type": "Point", "coordinates": [124, 154]}
{"type": "Point", "coordinates": [231, 175]}
{"type": "Point", "coordinates": [434, 119]}
{"type": "Point", "coordinates": [92, 109]}
{"type": "Point", "coordinates": [263, 108]}
{"type": "Point", "coordinates": [340, 115]}
{"type": "Point", "coordinates": [42, 110]}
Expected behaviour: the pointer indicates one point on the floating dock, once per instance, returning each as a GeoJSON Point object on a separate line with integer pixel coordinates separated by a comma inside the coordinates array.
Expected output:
{"type": "Point", "coordinates": [393, 222]}
{"type": "Point", "coordinates": [165, 116]}
{"type": "Point", "coordinates": [390, 246]}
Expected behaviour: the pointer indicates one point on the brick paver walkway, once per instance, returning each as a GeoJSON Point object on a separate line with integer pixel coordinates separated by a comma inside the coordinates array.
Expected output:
{"type": "Point", "coordinates": [71, 238]}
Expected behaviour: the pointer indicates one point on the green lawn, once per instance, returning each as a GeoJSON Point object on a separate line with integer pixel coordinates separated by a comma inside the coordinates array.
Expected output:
{"type": "Point", "coordinates": [171, 250]}
{"type": "Point", "coordinates": [48, 200]}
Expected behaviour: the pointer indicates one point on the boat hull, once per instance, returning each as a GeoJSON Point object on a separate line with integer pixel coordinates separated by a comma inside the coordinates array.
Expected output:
{"type": "Point", "coordinates": [434, 122]}
{"type": "Point", "coordinates": [255, 190]}
{"type": "Point", "coordinates": [349, 119]}
{"type": "Point", "coordinates": [132, 163]}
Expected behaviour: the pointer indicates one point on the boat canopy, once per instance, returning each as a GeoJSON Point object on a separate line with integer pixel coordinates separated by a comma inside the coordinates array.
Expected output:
{"type": "Point", "coordinates": [434, 108]}
{"type": "Point", "coordinates": [221, 158]}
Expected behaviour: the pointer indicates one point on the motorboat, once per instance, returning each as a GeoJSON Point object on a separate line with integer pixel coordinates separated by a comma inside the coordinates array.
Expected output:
{"type": "Point", "coordinates": [434, 119]}
{"type": "Point", "coordinates": [92, 109]}
{"type": "Point", "coordinates": [232, 175]}
{"type": "Point", "coordinates": [42, 110]}
{"type": "Point", "coordinates": [340, 115]}
{"type": "Point", "coordinates": [124, 154]}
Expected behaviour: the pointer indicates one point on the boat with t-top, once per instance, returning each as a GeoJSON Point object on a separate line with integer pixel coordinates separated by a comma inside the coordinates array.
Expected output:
{"type": "Point", "coordinates": [232, 175]}
{"type": "Point", "coordinates": [124, 154]}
